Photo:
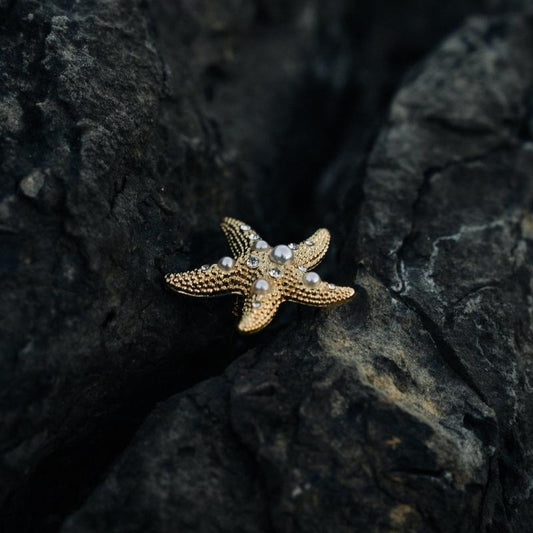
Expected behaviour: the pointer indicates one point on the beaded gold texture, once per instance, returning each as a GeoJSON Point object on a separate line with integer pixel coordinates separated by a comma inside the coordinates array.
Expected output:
{"type": "Point", "coordinates": [266, 276]}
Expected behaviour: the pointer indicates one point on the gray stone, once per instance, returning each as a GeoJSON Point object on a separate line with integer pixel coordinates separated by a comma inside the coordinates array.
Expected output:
{"type": "Point", "coordinates": [32, 183]}
{"type": "Point", "coordinates": [406, 410]}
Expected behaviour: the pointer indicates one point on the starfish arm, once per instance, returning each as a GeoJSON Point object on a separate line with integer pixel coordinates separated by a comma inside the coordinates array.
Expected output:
{"type": "Point", "coordinates": [238, 238]}
{"type": "Point", "coordinates": [322, 295]}
{"type": "Point", "coordinates": [210, 282]}
{"type": "Point", "coordinates": [311, 251]}
{"type": "Point", "coordinates": [256, 318]}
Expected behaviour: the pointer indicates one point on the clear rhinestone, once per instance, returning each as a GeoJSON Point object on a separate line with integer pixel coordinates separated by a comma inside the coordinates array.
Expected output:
{"type": "Point", "coordinates": [275, 272]}
{"type": "Point", "coordinates": [309, 243]}
{"type": "Point", "coordinates": [331, 286]}
{"type": "Point", "coordinates": [293, 246]}
{"type": "Point", "coordinates": [245, 227]}
{"type": "Point", "coordinates": [256, 304]}
{"type": "Point", "coordinates": [205, 267]}
{"type": "Point", "coordinates": [253, 262]}
{"type": "Point", "coordinates": [253, 237]}
{"type": "Point", "coordinates": [302, 268]}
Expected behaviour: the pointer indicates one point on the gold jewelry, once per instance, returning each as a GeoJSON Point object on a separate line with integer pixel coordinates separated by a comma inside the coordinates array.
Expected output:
{"type": "Point", "coordinates": [266, 276]}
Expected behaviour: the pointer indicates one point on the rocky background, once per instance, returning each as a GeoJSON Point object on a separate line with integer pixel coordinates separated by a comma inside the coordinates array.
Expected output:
{"type": "Point", "coordinates": [128, 129]}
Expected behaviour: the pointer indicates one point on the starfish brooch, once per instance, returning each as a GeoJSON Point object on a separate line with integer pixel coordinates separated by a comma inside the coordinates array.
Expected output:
{"type": "Point", "coordinates": [266, 276]}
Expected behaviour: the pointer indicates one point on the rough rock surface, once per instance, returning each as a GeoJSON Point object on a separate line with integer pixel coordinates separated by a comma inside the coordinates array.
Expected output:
{"type": "Point", "coordinates": [128, 129]}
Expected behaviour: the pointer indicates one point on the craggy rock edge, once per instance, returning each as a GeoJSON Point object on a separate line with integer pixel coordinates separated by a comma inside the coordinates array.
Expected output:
{"type": "Point", "coordinates": [410, 408]}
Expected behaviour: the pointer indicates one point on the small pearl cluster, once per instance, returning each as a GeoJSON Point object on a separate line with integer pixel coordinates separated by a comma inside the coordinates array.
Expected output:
{"type": "Point", "coordinates": [275, 272]}
{"type": "Point", "coordinates": [281, 254]}
{"type": "Point", "coordinates": [265, 275]}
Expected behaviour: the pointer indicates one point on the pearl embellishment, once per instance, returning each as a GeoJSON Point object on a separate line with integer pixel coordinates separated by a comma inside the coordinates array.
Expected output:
{"type": "Point", "coordinates": [281, 254]}
{"type": "Point", "coordinates": [252, 261]}
{"type": "Point", "coordinates": [311, 279]}
{"type": "Point", "coordinates": [226, 263]}
{"type": "Point", "coordinates": [261, 286]}
{"type": "Point", "coordinates": [264, 276]}
{"type": "Point", "coordinates": [261, 245]}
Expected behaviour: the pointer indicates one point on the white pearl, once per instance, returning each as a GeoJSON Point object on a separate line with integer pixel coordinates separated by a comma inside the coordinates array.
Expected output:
{"type": "Point", "coordinates": [261, 245]}
{"type": "Point", "coordinates": [311, 279]}
{"type": "Point", "coordinates": [226, 263]}
{"type": "Point", "coordinates": [261, 286]}
{"type": "Point", "coordinates": [281, 254]}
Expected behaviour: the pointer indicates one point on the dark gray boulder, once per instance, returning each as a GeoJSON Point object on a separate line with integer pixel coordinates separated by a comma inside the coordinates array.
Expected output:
{"type": "Point", "coordinates": [128, 129]}
{"type": "Point", "coordinates": [408, 409]}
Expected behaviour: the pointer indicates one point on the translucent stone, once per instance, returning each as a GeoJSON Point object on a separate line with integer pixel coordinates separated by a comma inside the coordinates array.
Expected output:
{"type": "Point", "coordinates": [253, 237]}
{"type": "Point", "coordinates": [261, 286]}
{"type": "Point", "coordinates": [205, 267]}
{"type": "Point", "coordinates": [302, 268]}
{"type": "Point", "coordinates": [256, 304]}
{"type": "Point", "coordinates": [309, 243]}
{"type": "Point", "coordinates": [331, 286]}
{"type": "Point", "coordinates": [245, 227]}
{"type": "Point", "coordinates": [293, 246]}
{"type": "Point", "coordinates": [252, 262]}
{"type": "Point", "coordinates": [261, 245]}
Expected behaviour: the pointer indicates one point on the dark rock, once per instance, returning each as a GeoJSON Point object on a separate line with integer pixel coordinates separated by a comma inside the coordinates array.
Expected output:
{"type": "Point", "coordinates": [127, 130]}
{"type": "Point", "coordinates": [113, 173]}
{"type": "Point", "coordinates": [410, 408]}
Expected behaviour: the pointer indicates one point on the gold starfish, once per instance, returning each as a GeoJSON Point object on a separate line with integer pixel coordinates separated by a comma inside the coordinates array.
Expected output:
{"type": "Point", "coordinates": [266, 276]}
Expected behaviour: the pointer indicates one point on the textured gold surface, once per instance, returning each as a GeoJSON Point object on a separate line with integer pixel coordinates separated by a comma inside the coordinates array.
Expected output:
{"type": "Point", "coordinates": [259, 309]}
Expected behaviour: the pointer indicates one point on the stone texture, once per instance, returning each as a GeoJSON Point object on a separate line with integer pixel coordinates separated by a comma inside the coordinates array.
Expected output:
{"type": "Point", "coordinates": [128, 129]}
{"type": "Point", "coordinates": [410, 408]}
{"type": "Point", "coordinates": [113, 173]}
